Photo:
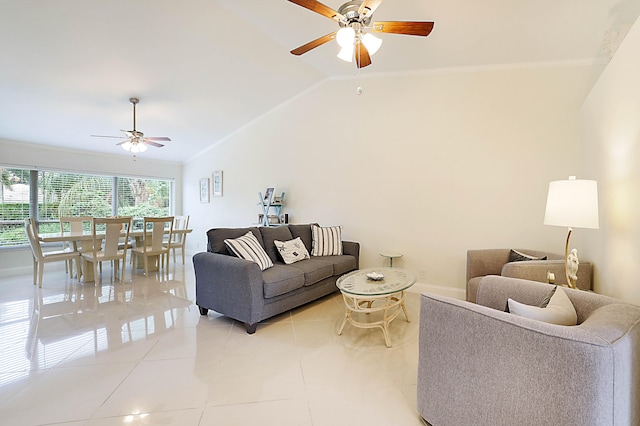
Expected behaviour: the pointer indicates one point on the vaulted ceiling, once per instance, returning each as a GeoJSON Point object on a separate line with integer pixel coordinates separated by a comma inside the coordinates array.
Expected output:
{"type": "Point", "coordinates": [203, 69]}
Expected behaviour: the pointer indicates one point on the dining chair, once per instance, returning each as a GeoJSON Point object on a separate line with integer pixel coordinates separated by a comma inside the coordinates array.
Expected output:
{"type": "Point", "coordinates": [40, 257]}
{"type": "Point", "coordinates": [153, 245]}
{"type": "Point", "coordinates": [104, 247]}
{"type": "Point", "coordinates": [178, 240]}
{"type": "Point", "coordinates": [76, 224]}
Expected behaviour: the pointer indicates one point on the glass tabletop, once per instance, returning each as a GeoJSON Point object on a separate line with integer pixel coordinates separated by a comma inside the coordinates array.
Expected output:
{"type": "Point", "coordinates": [357, 282]}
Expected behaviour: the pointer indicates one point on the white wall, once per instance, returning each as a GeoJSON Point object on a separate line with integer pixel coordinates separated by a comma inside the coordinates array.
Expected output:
{"type": "Point", "coordinates": [611, 137]}
{"type": "Point", "coordinates": [20, 154]}
{"type": "Point", "coordinates": [427, 164]}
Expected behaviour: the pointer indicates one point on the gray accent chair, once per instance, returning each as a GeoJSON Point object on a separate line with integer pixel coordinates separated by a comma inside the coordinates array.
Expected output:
{"type": "Point", "coordinates": [479, 365]}
{"type": "Point", "coordinates": [238, 289]}
{"type": "Point", "coordinates": [496, 262]}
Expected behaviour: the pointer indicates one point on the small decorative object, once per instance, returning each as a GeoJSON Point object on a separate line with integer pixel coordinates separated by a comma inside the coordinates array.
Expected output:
{"type": "Point", "coordinates": [267, 195]}
{"type": "Point", "coordinates": [217, 183]}
{"type": "Point", "coordinates": [260, 218]}
{"type": "Point", "coordinates": [204, 190]}
{"type": "Point", "coordinates": [551, 277]}
{"type": "Point", "coordinates": [375, 276]}
{"type": "Point", "coordinates": [572, 264]}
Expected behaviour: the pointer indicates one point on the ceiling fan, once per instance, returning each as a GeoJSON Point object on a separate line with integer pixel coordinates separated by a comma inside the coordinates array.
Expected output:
{"type": "Point", "coordinates": [134, 140]}
{"type": "Point", "coordinates": [354, 18]}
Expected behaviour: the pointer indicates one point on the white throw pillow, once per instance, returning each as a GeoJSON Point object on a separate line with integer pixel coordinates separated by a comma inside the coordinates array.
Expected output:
{"type": "Point", "coordinates": [247, 247]}
{"type": "Point", "coordinates": [292, 251]}
{"type": "Point", "coordinates": [326, 241]}
{"type": "Point", "coordinates": [559, 311]}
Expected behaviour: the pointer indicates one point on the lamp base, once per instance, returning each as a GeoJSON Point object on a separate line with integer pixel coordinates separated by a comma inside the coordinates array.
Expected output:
{"type": "Point", "coordinates": [570, 263]}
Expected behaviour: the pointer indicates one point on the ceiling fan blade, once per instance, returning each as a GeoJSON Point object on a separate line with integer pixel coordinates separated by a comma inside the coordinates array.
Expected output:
{"type": "Point", "coordinates": [148, 142]}
{"type": "Point", "coordinates": [316, 6]}
{"type": "Point", "coordinates": [363, 59]}
{"type": "Point", "coordinates": [372, 5]}
{"type": "Point", "coordinates": [158, 138]}
{"type": "Point", "coordinates": [124, 141]}
{"type": "Point", "coordinates": [403, 27]}
{"type": "Point", "coordinates": [313, 44]}
{"type": "Point", "coordinates": [102, 136]}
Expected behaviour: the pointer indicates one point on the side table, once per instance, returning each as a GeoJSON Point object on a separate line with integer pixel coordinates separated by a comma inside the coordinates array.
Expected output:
{"type": "Point", "coordinates": [391, 256]}
{"type": "Point", "coordinates": [363, 295]}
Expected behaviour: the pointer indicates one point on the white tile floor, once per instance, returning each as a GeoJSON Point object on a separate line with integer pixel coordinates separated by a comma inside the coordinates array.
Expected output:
{"type": "Point", "coordinates": [140, 353]}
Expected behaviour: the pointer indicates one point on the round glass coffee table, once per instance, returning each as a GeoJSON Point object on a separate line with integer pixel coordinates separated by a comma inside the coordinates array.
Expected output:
{"type": "Point", "coordinates": [364, 295]}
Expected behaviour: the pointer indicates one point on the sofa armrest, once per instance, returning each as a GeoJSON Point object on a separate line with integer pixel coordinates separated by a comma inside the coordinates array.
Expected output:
{"type": "Point", "coordinates": [353, 249]}
{"type": "Point", "coordinates": [228, 285]}
{"type": "Point", "coordinates": [476, 362]}
{"type": "Point", "coordinates": [486, 262]}
{"type": "Point", "coordinates": [536, 270]}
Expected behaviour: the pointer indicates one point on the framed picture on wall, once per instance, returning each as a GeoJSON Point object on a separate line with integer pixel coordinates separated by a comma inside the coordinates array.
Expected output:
{"type": "Point", "coordinates": [204, 190]}
{"type": "Point", "coordinates": [267, 195]}
{"type": "Point", "coordinates": [217, 183]}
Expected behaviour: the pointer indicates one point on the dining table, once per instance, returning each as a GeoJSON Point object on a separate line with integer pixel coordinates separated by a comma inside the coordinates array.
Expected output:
{"type": "Point", "coordinates": [83, 236]}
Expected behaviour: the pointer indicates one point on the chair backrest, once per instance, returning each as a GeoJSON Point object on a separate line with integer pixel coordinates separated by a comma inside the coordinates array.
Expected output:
{"type": "Point", "coordinates": [115, 227]}
{"type": "Point", "coordinates": [154, 231]}
{"type": "Point", "coordinates": [180, 222]}
{"type": "Point", "coordinates": [75, 223]}
{"type": "Point", "coordinates": [32, 235]}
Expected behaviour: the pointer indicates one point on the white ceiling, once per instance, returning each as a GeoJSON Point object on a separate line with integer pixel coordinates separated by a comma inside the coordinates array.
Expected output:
{"type": "Point", "coordinates": [204, 68]}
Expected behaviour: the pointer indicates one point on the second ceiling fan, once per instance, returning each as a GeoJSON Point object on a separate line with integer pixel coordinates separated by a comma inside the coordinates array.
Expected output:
{"type": "Point", "coordinates": [354, 18]}
{"type": "Point", "coordinates": [134, 140]}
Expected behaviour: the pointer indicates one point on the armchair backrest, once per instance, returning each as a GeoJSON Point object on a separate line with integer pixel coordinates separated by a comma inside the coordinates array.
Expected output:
{"type": "Point", "coordinates": [493, 292]}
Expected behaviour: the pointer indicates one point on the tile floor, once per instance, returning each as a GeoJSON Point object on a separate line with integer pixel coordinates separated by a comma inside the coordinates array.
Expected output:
{"type": "Point", "coordinates": [139, 353]}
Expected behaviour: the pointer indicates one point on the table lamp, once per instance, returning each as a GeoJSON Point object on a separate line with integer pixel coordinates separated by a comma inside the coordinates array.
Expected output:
{"type": "Point", "coordinates": [572, 203]}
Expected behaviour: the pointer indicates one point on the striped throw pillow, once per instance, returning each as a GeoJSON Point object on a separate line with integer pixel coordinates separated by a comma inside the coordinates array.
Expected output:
{"type": "Point", "coordinates": [247, 247]}
{"type": "Point", "coordinates": [326, 241]}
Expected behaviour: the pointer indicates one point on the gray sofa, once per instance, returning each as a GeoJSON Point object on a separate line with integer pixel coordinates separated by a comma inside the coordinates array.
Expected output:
{"type": "Point", "coordinates": [237, 288]}
{"type": "Point", "coordinates": [496, 262]}
{"type": "Point", "coordinates": [480, 365]}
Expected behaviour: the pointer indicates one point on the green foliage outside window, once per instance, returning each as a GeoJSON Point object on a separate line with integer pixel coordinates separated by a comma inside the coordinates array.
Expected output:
{"type": "Point", "coordinates": [71, 194]}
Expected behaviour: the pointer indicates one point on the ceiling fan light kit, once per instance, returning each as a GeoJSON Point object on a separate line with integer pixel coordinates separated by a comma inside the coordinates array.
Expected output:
{"type": "Point", "coordinates": [354, 18]}
{"type": "Point", "coordinates": [135, 141]}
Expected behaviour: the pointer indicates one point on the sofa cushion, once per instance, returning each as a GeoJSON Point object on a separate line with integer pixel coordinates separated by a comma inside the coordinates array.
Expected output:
{"type": "Point", "coordinates": [314, 269]}
{"type": "Point", "coordinates": [281, 279]}
{"type": "Point", "coordinates": [559, 311]}
{"type": "Point", "coordinates": [304, 232]}
{"type": "Point", "coordinates": [291, 251]}
{"type": "Point", "coordinates": [247, 247]}
{"type": "Point", "coordinates": [326, 241]}
{"type": "Point", "coordinates": [271, 234]}
{"type": "Point", "coordinates": [216, 237]}
{"type": "Point", "coordinates": [342, 264]}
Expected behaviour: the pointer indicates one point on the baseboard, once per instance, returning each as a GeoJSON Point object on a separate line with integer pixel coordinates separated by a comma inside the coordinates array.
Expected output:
{"type": "Point", "coordinates": [456, 293]}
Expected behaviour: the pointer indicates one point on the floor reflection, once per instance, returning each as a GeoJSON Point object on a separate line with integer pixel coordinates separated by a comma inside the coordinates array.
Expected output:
{"type": "Point", "coordinates": [67, 319]}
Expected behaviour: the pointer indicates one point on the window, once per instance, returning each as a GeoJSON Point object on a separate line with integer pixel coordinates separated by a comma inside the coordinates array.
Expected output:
{"type": "Point", "coordinates": [14, 206]}
{"type": "Point", "coordinates": [74, 194]}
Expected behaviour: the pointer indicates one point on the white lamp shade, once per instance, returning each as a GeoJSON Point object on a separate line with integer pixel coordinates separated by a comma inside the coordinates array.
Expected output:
{"type": "Point", "coordinates": [126, 146]}
{"type": "Point", "coordinates": [572, 203]}
{"type": "Point", "coordinates": [345, 36]}
{"type": "Point", "coordinates": [372, 43]}
{"type": "Point", "coordinates": [346, 53]}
